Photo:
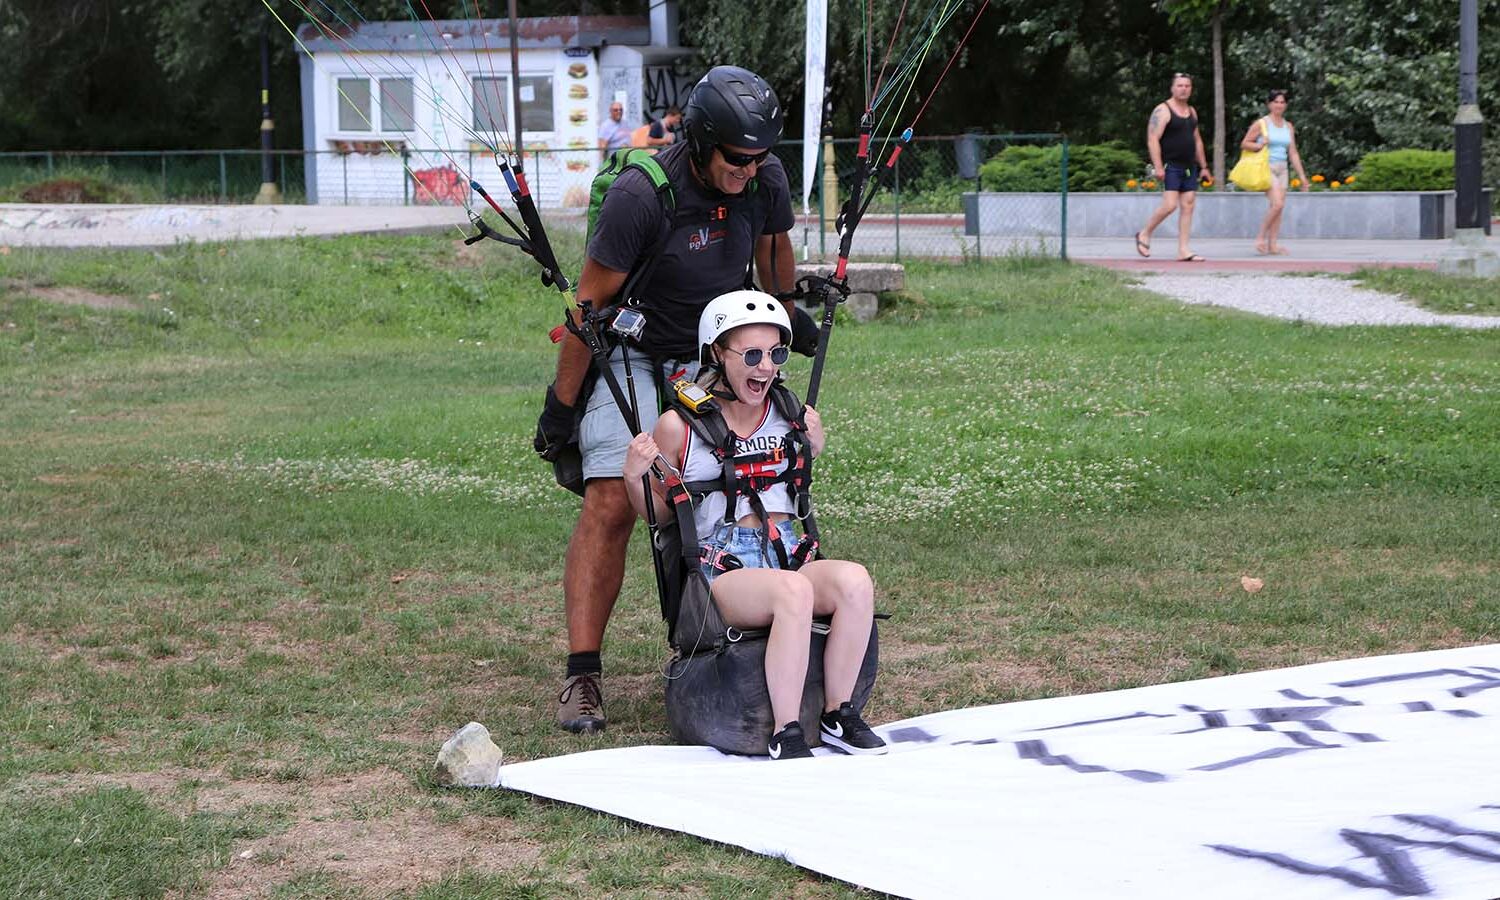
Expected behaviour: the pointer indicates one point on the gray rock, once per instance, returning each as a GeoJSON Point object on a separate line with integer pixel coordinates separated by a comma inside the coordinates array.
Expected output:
{"type": "Point", "coordinates": [468, 759]}
{"type": "Point", "coordinates": [866, 278]}
{"type": "Point", "coordinates": [863, 306]}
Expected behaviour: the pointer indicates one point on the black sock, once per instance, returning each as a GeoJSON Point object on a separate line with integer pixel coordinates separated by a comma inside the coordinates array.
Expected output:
{"type": "Point", "coordinates": [584, 663]}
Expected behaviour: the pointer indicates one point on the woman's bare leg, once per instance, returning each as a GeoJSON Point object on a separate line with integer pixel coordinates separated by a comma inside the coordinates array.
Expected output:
{"type": "Point", "coordinates": [844, 590]}
{"type": "Point", "coordinates": [755, 598]}
{"type": "Point", "coordinates": [1272, 226]}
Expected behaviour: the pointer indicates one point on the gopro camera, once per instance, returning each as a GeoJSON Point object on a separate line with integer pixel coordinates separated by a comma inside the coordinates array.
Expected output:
{"type": "Point", "coordinates": [630, 323]}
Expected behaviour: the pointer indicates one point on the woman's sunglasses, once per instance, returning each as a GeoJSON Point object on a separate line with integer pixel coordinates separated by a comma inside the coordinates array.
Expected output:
{"type": "Point", "coordinates": [754, 355]}
{"type": "Point", "coordinates": [740, 160]}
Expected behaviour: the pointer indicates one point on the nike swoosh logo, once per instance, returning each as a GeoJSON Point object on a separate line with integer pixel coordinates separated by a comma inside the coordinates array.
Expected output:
{"type": "Point", "coordinates": [775, 750]}
{"type": "Point", "coordinates": [837, 730]}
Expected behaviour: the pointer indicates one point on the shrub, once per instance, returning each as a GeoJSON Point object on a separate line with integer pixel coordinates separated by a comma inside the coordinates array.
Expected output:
{"type": "Point", "coordinates": [72, 186]}
{"type": "Point", "coordinates": [1405, 170]}
{"type": "Point", "coordinates": [1091, 167]}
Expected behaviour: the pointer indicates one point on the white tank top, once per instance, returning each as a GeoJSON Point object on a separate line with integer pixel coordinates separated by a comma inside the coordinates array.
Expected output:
{"type": "Point", "coordinates": [758, 453]}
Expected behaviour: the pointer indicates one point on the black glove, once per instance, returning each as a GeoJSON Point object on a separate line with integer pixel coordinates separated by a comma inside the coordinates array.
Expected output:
{"type": "Point", "coordinates": [805, 332]}
{"type": "Point", "coordinates": [554, 429]}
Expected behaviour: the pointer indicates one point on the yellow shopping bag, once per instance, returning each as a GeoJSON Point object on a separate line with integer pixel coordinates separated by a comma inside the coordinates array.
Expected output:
{"type": "Point", "coordinates": [1253, 171]}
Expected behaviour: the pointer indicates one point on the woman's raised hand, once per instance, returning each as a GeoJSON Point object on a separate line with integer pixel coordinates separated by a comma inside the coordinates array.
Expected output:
{"type": "Point", "coordinates": [815, 434]}
{"type": "Point", "coordinates": [639, 456]}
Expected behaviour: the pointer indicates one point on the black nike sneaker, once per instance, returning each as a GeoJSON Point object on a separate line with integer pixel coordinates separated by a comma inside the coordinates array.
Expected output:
{"type": "Point", "coordinates": [843, 729]}
{"type": "Point", "coordinates": [788, 743]}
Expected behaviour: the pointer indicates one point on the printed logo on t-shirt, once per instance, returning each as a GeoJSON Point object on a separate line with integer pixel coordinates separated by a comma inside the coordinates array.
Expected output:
{"type": "Point", "coordinates": [704, 238]}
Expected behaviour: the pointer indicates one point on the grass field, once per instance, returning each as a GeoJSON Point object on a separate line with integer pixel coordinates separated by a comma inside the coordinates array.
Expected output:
{"type": "Point", "coordinates": [270, 530]}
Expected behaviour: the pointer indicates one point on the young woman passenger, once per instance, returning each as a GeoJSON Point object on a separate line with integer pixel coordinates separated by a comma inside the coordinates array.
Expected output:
{"type": "Point", "coordinates": [743, 339]}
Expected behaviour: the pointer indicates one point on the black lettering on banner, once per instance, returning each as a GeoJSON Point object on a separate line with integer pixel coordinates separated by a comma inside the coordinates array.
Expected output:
{"type": "Point", "coordinates": [1399, 873]}
{"type": "Point", "coordinates": [1336, 701]}
{"type": "Point", "coordinates": [1274, 753]}
{"type": "Point", "coordinates": [1037, 750]}
{"type": "Point", "coordinates": [910, 735]}
{"type": "Point", "coordinates": [1134, 715]}
{"type": "Point", "coordinates": [1485, 682]}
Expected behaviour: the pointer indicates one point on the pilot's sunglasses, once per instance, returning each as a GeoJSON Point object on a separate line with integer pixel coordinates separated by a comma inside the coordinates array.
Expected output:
{"type": "Point", "coordinates": [740, 160]}
{"type": "Point", "coordinates": [754, 355]}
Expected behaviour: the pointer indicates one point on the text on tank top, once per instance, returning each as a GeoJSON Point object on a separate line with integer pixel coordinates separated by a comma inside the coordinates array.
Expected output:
{"type": "Point", "coordinates": [759, 453]}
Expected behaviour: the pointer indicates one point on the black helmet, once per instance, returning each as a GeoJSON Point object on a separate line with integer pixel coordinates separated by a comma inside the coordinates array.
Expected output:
{"type": "Point", "coordinates": [732, 106]}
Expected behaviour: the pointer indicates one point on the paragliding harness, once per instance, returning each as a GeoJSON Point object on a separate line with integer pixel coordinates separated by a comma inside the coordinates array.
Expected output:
{"type": "Point", "coordinates": [567, 463]}
{"type": "Point", "coordinates": [693, 619]}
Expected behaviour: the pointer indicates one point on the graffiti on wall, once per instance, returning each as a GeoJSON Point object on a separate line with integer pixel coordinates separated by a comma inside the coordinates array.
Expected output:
{"type": "Point", "coordinates": [664, 87]}
{"type": "Point", "coordinates": [439, 186]}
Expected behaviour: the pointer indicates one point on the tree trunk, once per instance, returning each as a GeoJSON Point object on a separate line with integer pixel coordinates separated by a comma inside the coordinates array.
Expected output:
{"type": "Point", "coordinates": [1218, 41]}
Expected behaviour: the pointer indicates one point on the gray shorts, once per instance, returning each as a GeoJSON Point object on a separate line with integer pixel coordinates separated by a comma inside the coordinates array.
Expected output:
{"type": "Point", "coordinates": [603, 436]}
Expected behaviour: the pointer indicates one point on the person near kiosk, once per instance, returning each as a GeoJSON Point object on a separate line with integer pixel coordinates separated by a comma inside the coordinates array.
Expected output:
{"type": "Point", "coordinates": [731, 207]}
{"type": "Point", "coordinates": [743, 339]}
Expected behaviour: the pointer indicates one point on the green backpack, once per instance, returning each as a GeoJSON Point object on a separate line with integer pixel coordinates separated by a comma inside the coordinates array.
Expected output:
{"type": "Point", "coordinates": [615, 166]}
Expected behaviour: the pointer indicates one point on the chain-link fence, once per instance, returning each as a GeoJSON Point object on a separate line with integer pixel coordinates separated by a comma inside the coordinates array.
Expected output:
{"type": "Point", "coordinates": [932, 202]}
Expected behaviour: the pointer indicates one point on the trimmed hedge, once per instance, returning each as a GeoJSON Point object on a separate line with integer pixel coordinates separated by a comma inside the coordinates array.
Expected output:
{"type": "Point", "coordinates": [1091, 167]}
{"type": "Point", "coordinates": [1405, 170]}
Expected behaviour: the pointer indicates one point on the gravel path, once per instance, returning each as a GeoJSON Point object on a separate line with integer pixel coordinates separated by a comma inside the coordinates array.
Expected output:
{"type": "Point", "coordinates": [1321, 300]}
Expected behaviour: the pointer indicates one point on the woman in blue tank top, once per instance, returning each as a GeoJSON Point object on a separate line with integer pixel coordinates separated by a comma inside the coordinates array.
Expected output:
{"type": "Point", "coordinates": [1276, 132]}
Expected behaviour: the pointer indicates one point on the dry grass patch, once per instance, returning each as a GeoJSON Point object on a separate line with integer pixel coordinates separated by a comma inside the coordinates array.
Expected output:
{"type": "Point", "coordinates": [69, 296]}
{"type": "Point", "coordinates": [373, 832]}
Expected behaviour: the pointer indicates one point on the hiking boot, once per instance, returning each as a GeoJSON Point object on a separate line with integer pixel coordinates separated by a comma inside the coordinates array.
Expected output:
{"type": "Point", "coordinates": [788, 743]}
{"type": "Point", "coordinates": [580, 706]}
{"type": "Point", "coordinates": [845, 730]}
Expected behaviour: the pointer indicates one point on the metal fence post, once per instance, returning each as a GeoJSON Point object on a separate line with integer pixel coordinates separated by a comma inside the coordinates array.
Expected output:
{"type": "Point", "coordinates": [896, 195]}
{"type": "Point", "coordinates": [822, 224]}
{"type": "Point", "coordinates": [1065, 197]}
{"type": "Point", "coordinates": [346, 179]}
{"type": "Point", "coordinates": [536, 177]}
{"type": "Point", "coordinates": [223, 179]}
{"type": "Point", "coordinates": [978, 218]}
{"type": "Point", "coordinates": [49, 163]}
{"type": "Point", "coordinates": [405, 181]}
{"type": "Point", "coordinates": [164, 194]}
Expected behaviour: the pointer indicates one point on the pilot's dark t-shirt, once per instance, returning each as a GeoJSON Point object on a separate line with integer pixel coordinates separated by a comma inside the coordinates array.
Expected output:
{"type": "Point", "coordinates": [707, 254]}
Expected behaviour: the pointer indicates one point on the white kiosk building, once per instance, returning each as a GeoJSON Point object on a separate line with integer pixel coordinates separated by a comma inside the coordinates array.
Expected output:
{"type": "Point", "coordinates": [403, 112]}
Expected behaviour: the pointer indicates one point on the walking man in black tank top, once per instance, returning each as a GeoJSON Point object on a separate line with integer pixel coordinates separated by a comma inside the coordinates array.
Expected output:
{"type": "Point", "coordinates": [1177, 157]}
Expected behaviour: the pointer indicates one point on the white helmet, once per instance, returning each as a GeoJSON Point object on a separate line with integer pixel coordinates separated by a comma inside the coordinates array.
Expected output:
{"type": "Point", "coordinates": [727, 312]}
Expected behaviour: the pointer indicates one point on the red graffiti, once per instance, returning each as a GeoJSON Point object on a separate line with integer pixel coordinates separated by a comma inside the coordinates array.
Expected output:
{"type": "Point", "coordinates": [438, 186]}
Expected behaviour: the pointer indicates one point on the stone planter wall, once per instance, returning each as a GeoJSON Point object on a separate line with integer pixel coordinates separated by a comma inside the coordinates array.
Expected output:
{"type": "Point", "coordinates": [1351, 215]}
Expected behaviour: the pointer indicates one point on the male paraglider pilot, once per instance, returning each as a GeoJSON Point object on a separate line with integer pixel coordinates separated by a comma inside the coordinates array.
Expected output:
{"type": "Point", "coordinates": [743, 339]}
{"type": "Point", "coordinates": [672, 248]}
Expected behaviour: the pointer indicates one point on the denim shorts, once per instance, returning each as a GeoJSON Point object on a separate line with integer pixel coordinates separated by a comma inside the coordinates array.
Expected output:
{"type": "Point", "coordinates": [745, 544]}
{"type": "Point", "coordinates": [1180, 178]}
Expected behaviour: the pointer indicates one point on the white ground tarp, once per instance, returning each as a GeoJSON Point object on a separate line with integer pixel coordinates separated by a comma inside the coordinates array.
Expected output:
{"type": "Point", "coordinates": [1365, 778]}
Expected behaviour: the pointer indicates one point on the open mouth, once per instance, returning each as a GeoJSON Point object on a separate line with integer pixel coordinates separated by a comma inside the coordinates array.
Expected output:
{"type": "Point", "coordinates": [757, 386]}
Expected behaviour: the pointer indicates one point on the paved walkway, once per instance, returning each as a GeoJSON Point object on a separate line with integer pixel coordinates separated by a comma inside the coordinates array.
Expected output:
{"type": "Point", "coordinates": [99, 225]}
{"type": "Point", "coordinates": [1316, 298]}
{"type": "Point", "coordinates": [107, 225]}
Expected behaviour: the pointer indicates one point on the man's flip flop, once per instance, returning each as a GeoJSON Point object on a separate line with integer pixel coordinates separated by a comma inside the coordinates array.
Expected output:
{"type": "Point", "coordinates": [1142, 247]}
{"type": "Point", "coordinates": [1191, 257]}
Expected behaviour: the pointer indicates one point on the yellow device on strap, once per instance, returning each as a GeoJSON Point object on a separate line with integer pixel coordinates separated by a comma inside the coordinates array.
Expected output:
{"type": "Point", "coordinates": [692, 396]}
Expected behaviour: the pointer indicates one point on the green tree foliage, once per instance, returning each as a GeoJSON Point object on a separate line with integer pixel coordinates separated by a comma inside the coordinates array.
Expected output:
{"type": "Point", "coordinates": [1364, 77]}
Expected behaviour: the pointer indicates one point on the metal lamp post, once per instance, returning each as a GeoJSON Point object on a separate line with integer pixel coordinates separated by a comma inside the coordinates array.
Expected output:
{"type": "Point", "coordinates": [1468, 255]}
{"type": "Point", "coordinates": [269, 192]}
